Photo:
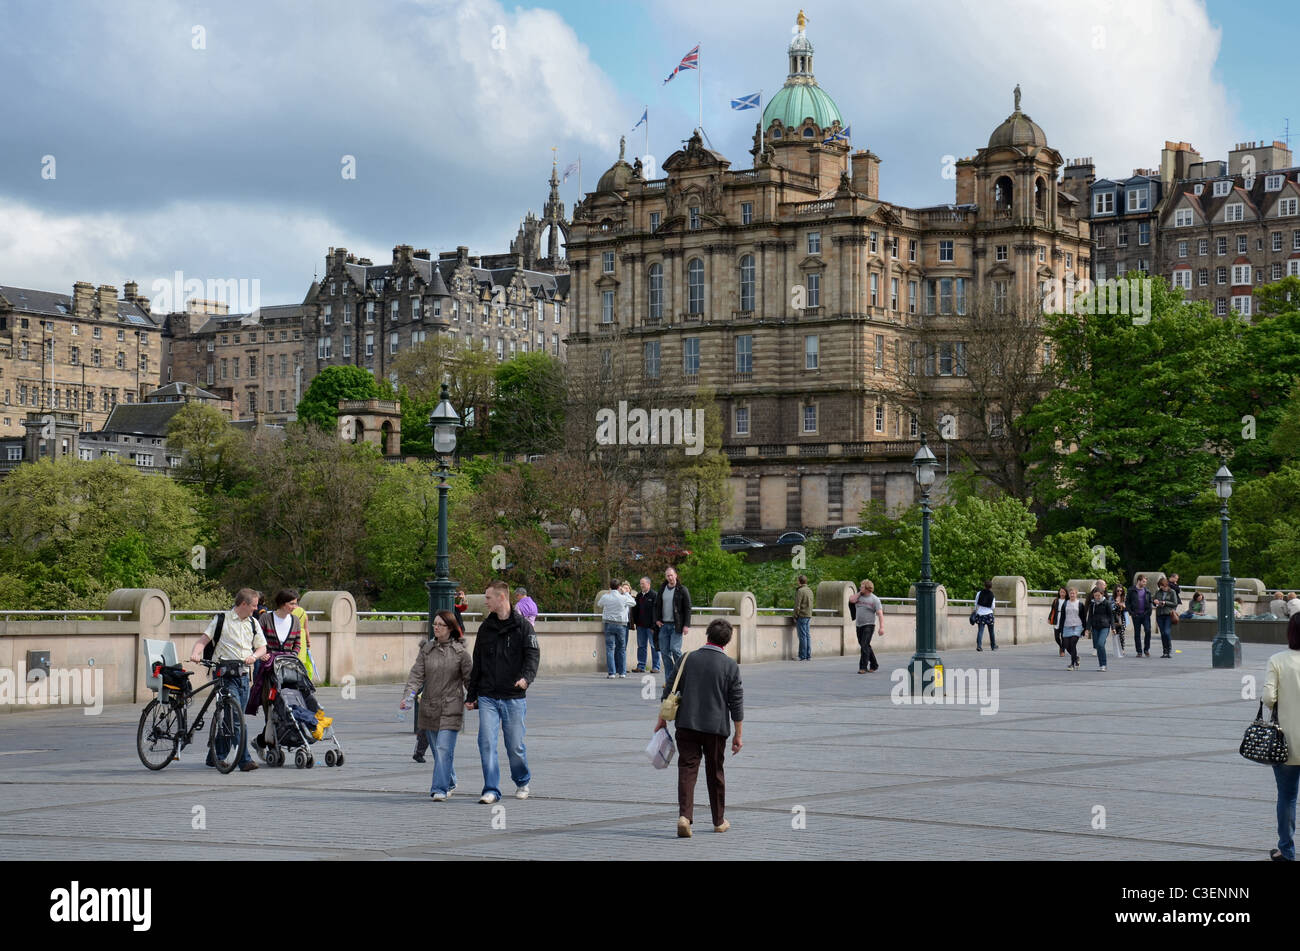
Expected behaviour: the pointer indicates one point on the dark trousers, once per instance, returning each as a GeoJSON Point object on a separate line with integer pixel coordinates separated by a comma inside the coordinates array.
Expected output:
{"type": "Point", "coordinates": [1056, 632]}
{"type": "Point", "coordinates": [1166, 642]}
{"type": "Point", "coordinates": [868, 659]}
{"type": "Point", "coordinates": [980, 621]}
{"type": "Point", "coordinates": [1072, 648]}
{"type": "Point", "coordinates": [691, 744]}
{"type": "Point", "coordinates": [1141, 621]}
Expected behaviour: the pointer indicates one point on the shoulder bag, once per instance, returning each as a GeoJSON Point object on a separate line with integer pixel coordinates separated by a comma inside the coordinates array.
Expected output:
{"type": "Point", "coordinates": [1265, 742]}
{"type": "Point", "coordinates": [668, 706]}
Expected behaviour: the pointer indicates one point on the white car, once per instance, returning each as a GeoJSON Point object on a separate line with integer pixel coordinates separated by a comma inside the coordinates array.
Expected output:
{"type": "Point", "coordinates": [850, 531]}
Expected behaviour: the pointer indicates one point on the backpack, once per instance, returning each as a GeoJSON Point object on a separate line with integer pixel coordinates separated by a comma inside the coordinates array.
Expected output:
{"type": "Point", "coordinates": [216, 637]}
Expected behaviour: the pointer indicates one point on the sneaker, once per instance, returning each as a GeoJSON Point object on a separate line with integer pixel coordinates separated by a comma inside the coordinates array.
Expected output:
{"type": "Point", "coordinates": [610, 676]}
{"type": "Point", "coordinates": [622, 676]}
{"type": "Point", "coordinates": [1166, 656]}
{"type": "Point", "coordinates": [722, 828]}
{"type": "Point", "coordinates": [656, 671]}
{"type": "Point", "coordinates": [438, 797]}
{"type": "Point", "coordinates": [1102, 667]}
{"type": "Point", "coordinates": [488, 798]}
{"type": "Point", "coordinates": [683, 827]}
{"type": "Point", "coordinates": [980, 649]}
{"type": "Point", "coordinates": [247, 767]}
{"type": "Point", "coordinates": [522, 792]}
{"type": "Point", "coordinates": [1070, 667]}
{"type": "Point", "coordinates": [451, 790]}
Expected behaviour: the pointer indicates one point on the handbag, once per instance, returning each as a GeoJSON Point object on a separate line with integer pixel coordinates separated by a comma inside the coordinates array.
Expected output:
{"type": "Point", "coordinates": [668, 706]}
{"type": "Point", "coordinates": [972, 616]}
{"type": "Point", "coordinates": [1265, 742]}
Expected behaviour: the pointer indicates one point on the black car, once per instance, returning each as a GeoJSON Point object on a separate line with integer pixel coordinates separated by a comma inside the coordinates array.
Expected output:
{"type": "Point", "coordinates": [739, 543]}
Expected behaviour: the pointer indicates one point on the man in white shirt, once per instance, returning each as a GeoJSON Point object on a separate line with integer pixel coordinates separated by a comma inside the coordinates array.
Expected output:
{"type": "Point", "coordinates": [614, 607]}
{"type": "Point", "coordinates": [1292, 604]}
{"type": "Point", "coordinates": [240, 639]}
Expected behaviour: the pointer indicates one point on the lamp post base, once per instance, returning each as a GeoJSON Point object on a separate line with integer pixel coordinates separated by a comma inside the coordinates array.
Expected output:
{"type": "Point", "coordinates": [925, 675]}
{"type": "Point", "coordinates": [1226, 651]}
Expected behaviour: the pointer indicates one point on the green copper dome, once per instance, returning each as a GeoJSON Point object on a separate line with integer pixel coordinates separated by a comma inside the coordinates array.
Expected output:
{"type": "Point", "coordinates": [801, 97]}
{"type": "Point", "coordinates": [795, 102]}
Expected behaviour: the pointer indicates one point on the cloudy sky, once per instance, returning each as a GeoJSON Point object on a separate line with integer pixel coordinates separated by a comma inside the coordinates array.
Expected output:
{"type": "Point", "coordinates": [212, 138]}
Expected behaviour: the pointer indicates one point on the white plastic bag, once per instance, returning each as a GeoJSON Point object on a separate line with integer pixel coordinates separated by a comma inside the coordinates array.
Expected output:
{"type": "Point", "coordinates": [661, 749]}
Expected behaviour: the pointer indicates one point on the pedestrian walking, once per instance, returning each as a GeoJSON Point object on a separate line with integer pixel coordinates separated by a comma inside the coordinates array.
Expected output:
{"type": "Point", "coordinates": [1100, 620]}
{"type": "Point", "coordinates": [710, 693]}
{"type": "Point", "coordinates": [1166, 603]}
{"type": "Point", "coordinates": [1054, 616]}
{"type": "Point", "coordinates": [673, 621]}
{"type": "Point", "coordinates": [440, 674]}
{"type": "Point", "coordinates": [803, 609]}
{"type": "Point", "coordinates": [1140, 604]}
{"type": "Point", "coordinates": [984, 617]}
{"type": "Point", "coordinates": [614, 607]}
{"type": "Point", "coordinates": [236, 636]}
{"type": "Point", "coordinates": [1070, 624]}
{"type": "Point", "coordinates": [1119, 605]}
{"type": "Point", "coordinates": [643, 615]}
{"type": "Point", "coordinates": [506, 656]}
{"type": "Point", "coordinates": [1282, 693]}
{"type": "Point", "coordinates": [869, 619]}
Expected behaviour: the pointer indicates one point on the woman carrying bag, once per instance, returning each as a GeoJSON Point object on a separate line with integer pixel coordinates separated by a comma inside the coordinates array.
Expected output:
{"type": "Point", "coordinates": [441, 672]}
{"type": "Point", "coordinates": [1282, 694]}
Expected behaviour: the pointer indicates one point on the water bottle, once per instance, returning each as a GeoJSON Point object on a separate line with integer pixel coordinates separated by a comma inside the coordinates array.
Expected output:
{"type": "Point", "coordinates": [402, 714]}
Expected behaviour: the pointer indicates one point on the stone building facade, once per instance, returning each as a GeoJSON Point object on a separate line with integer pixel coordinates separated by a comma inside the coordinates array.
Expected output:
{"type": "Point", "coordinates": [257, 361]}
{"type": "Point", "coordinates": [803, 299]}
{"type": "Point", "coordinates": [79, 355]}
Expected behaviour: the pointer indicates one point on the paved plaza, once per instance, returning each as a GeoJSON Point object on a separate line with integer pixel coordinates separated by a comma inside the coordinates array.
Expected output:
{"type": "Point", "coordinates": [1136, 763]}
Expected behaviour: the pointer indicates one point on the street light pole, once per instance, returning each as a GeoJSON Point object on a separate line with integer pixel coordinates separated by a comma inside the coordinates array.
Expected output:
{"type": "Point", "coordinates": [925, 671]}
{"type": "Point", "coordinates": [1226, 650]}
{"type": "Point", "coordinates": [443, 420]}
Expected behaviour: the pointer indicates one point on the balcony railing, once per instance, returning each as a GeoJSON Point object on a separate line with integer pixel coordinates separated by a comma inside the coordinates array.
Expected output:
{"type": "Point", "coordinates": [742, 377]}
{"type": "Point", "coordinates": [825, 206]}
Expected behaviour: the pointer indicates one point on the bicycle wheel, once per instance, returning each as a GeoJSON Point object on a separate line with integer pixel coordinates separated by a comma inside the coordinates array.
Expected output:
{"type": "Point", "coordinates": [226, 738]}
{"type": "Point", "coordinates": [159, 734]}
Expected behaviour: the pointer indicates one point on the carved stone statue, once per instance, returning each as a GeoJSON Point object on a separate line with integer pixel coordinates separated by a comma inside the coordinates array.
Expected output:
{"type": "Point", "coordinates": [1017, 95]}
{"type": "Point", "coordinates": [758, 139]}
{"type": "Point", "coordinates": [622, 139]}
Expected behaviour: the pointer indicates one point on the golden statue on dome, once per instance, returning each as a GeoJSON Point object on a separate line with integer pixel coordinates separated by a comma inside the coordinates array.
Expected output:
{"type": "Point", "coordinates": [802, 21]}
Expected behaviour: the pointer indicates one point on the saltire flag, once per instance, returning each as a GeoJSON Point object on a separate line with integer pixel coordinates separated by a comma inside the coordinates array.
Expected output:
{"type": "Point", "coordinates": [745, 102]}
{"type": "Point", "coordinates": [570, 169]}
{"type": "Point", "coordinates": [841, 136]}
{"type": "Point", "coordinates": [645, 117]}
{"type": "Point", "coordinates": [690, 61]}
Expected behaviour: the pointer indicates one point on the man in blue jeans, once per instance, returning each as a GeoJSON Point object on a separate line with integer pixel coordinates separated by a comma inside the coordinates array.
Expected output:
{"type": "Point", "coordinates": [506, 656]}
{"type": "Point", "coordinates": [673, 619]}
{"type": "Point", "coordinates": [237, 637]}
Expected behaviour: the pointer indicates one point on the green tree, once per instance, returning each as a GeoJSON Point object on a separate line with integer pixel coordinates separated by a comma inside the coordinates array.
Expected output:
{"type": "Point", "coordinates": [528, 414]}
{"type": "Point", "coordinates": [75, 530]}
{"type": "Point", "coordinates": [320, 404]}
{"type": "Point", "coordinates": [1126, 439]}
{"type": "Point", "coordinates": [215, 453]}
{"type": "Point", "coordinates": [470, 372]}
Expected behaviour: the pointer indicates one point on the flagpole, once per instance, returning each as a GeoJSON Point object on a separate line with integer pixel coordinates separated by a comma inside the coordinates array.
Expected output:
{"type": "Point", "coordinates": [645, 148]}
{"type": "Point", "coordinates": [699, 75]}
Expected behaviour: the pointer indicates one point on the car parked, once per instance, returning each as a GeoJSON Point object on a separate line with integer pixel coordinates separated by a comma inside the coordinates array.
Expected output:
{"type": "Point", "coordinates": [739, 543]}
{"type": "Point", "coordinates": [792, 538]}
{"type": "Point", "coordinates": [850, 531]}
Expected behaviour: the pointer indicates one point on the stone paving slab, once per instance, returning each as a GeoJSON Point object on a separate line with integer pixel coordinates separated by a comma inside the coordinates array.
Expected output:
{"type": "Point", "coordinates": [1153, 742]}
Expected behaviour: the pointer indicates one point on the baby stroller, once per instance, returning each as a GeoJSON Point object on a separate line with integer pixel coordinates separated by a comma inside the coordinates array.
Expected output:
{"type": "Point", "coordinates": [290, 722]}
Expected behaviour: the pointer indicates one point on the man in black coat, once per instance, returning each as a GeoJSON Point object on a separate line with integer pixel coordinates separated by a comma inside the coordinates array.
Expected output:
{"type": "Point", "coordinates": [506, 656]}
{"type": "Point", "coordinates": [673, 618]}
{"type": "Point", "coordinates": [710, 689]}
{"type": "Point", "coordinates": [643, 618]}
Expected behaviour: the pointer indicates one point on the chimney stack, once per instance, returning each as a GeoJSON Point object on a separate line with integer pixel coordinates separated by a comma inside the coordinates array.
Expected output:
{"type": "Point", "coordinates": [107, 295]}
{"type": "Point", "coordinates": [866, 174]}
{"type": "Point", "coordinates": [462, 254]}
{"type": "Point", "coordinates": [83, 299]}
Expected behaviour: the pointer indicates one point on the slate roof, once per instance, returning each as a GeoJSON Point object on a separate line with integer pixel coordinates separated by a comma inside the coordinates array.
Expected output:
{"type": "Point", "coordinates": [27, 301]}
{"type": "Point", "coordinates": [141, 419]}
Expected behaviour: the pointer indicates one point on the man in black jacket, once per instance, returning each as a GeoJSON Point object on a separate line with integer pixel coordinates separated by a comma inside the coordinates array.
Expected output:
{"type": "Point", "coordinates": [710, 689]}
{"type": "Point", "coordinates": [643, 617]}
{"type": "Point", "coordinates": [673, 618]}
{"type": "Point", "coordinates": [506, 656]}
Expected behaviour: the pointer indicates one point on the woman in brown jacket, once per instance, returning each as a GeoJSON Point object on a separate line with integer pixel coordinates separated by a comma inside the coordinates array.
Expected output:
{"type": "Point", "coordinates": [440, 672]}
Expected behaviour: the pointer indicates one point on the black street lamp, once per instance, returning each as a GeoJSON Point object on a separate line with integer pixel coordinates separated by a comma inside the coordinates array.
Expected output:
{"type": "Point", "coordinates": [1226, 650]}
{"type": "Point", "coordinates": [443, 421]}
{"type": "Point", "coordinates": [926, 657]}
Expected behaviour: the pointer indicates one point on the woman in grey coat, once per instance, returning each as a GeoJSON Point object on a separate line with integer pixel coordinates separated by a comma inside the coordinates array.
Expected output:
{"type": "Point", "coordinates": [441, 671]}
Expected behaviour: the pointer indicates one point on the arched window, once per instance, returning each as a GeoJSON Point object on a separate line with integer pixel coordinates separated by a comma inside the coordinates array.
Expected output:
{"type": "Point", "coordinates": [1040, 194]}
{"type": "Point", "coordinates": [747, 283]}
{"type": "Point", "coordinates": [1002, 194]}
{"type": "Point", "coordinates": [695, 286]}
{"type": "Point", "coordinates": [656, 292]}
{"type": "Point", "coordinates": [808, 133]}
{"type": "Point", "coordinates": [776, 133]}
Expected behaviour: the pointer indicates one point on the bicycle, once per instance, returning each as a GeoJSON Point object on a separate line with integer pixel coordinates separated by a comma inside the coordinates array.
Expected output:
{"type": "Point", "coordinates": [163, 731]}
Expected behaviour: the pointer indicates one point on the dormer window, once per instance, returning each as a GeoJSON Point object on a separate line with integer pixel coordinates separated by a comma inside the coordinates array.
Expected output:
{"type": "Point", "coordinates": [1273, 183]}
{"type": "Point", "coordinates": [1222, 188]}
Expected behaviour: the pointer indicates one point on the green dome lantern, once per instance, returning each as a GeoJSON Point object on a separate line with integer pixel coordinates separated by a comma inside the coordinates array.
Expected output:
{"type": "Point", "coordinates": [801, 97]}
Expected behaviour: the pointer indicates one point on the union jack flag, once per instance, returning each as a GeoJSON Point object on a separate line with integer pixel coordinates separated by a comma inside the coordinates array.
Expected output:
{"type": "Point", "coordinates": [690, 61]}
